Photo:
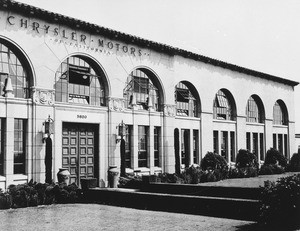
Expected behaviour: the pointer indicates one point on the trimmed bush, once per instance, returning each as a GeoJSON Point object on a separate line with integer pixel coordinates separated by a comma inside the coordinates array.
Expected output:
{"type": "Point", "coordinates": [5, 200]}
{"type": "Point", "coordinates": [246, 165]}
{"type": "Point", "coordinates": [214, 167]}
{"type": "Point", "coordinates": [271, 169]}
{"type": "Point", "coordinates": [212, 161]}
{"type": "Point", "coordinates": [192, 175]}
{"type": "Point", "coordinates": [274, 157]}
{"type": "Point", "coordinates": [245, 158]}
{"type": "Point", "coordinates": [245, 172]}
{"type": "Point", "coordinates": [34, 194]}
{"type": "Point", "coordinates": [130, 181]}
{"type": "Point", "coordinates": [280, 203]}
{"type": "Point", "coordinates": [294, 165]}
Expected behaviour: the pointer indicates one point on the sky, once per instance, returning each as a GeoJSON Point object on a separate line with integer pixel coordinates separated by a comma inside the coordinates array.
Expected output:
{"type": "Point", "coordinates": [263, 35]}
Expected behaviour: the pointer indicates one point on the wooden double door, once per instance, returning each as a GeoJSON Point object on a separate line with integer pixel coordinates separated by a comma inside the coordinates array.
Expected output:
{"type": "Point", "coordinates": [80, 150]}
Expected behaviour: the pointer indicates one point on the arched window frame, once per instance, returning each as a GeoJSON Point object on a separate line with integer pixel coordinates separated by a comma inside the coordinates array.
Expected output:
{"type": "Point", "coordinates": [12, 65]}
{"type": "Point", "coordinates": [187, 102]}
{"type": "Point", "coordinates": [223, 106]}
{"type": "Point", "coordinates": [140, 91]}
{"type": "Point", "coordinates": [254, 111]}
{"type": "Point", "coordinates": [280, 116]}
{"type": "Point", "coordinates": [78, 81]}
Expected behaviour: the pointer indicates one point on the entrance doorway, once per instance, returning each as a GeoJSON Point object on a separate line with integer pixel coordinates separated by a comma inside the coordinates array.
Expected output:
{"type": "Point", "coordinates": [80, 150]}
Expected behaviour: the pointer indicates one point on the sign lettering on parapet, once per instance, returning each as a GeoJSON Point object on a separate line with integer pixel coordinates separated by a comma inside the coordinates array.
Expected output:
{"type": "Point", "coordinates": [74, 38]}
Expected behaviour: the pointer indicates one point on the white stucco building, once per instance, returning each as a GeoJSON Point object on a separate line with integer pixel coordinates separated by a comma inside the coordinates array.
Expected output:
{"type": "Point", "coordinates": [85, 79]}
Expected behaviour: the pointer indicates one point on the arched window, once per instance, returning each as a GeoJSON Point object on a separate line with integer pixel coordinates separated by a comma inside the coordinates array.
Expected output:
{"type": "Point", "coordinates": [77, 81]}
{"type": "Point", "coordinates": [254, 110]}
{"type": "Point", "coordinates": [186, 101]}
{"type": "Point", "coordinates": [223, 108]}
{"type": "Point", "coordinates": [11, 65]}
{"type": "Point", "coordinates": [280, 113]}
{"type": "Point", "coordinates": [140, 91]}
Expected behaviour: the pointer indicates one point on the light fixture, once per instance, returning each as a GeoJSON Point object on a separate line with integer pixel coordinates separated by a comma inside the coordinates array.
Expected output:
{"type": "Point", "coordinates": [121, 131]}
{"type": "Point", "coordinates": [48, 128]}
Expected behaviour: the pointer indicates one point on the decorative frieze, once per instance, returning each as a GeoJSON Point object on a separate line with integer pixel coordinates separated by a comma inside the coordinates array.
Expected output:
{"type": "Point", "coordinates": [169, 110]}
{"type": "Point", "coordinates": [43, 96]}
{"type": "Point", "coordinates": [116, 104]}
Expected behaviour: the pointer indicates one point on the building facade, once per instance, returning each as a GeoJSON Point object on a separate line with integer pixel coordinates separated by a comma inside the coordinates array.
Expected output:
{"type": "Point", "coordinates": [74, 93]}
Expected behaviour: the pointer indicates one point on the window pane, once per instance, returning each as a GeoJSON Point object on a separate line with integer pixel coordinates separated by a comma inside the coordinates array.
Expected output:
{"type": "Point", "coordinates": [10, 64]}
{"type": "Point", "coordinates": [142, 146]}
{"type": "Point", "coordinates": [19, 146]}
{"type": "Point", "coordinates": [77, 83]}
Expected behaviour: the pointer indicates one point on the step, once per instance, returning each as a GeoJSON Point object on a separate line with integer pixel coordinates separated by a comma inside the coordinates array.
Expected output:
{"type": "Point", "coordinates": [201, 190]}
{"type": "Point", "coordinates": [233, 208]}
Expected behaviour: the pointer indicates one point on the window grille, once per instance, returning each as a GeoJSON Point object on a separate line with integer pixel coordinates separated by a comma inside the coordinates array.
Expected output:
{"type": "Point", "coordinates": [19, 146]}
{"type": "Point", "coordinates": [142, 146]}
{"type": "Point", "coordinates": [222, 108]}
{"type": "Point", "coordinates": [77, 82]}
{"type": "Point", "coordinates": [254, 112]}
{"type": "Point", "coordinates": [140, 87]}
{"type": "Point", "coordinates": [11, 65]}
{"type": "Point", "coordinates": [279, 117]}
{"type": "Point", "coordinates": [186, 103]}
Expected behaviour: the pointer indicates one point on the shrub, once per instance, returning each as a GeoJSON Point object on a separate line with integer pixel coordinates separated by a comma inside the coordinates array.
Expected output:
{"type": "Point", "coordinates": [280, 202]}
{"type": "Point", "coordinates": [294, 165]}
{"type": "Point", "coordinates": [5, 200]}
{"type": "Point", "coordinates": [245, 158]}
{"type": "Point", "coordinates": [34, 194]}
{"type": "Point", "coordinates": [212, 161]}
{"type": "Point", "coordinates": [274, 157]}
{"type": "Point", "coordinates": [245, 172]}
{"type": "Point", "coordinates": [213, 164]}
{"type": "Point", "coordinates": [192, 175]}
{"type": "Point", "coordinates": [130, 181]}
{"type": "Point", "coordinates": [170, 178]}
{"type": "Point", "coordinates": [271, 169]}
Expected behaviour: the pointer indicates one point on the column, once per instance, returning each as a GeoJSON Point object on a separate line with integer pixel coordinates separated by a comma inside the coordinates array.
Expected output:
{"type": "Point", "coordinates": [168, 139]}
{"type": "Point", "coordinates": [268, 133]}
{"type": "Point", "coordinates": [206, 133]}
{"type": "Point", "coordinates": [135, 160]}
{"type": "Point", "coordinates": [241, 133]}
{"type": "Point", "coordinates": [9, 154]}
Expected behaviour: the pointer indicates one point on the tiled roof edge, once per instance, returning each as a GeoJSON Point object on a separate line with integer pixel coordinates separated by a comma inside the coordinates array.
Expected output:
{"type": "Point", "coordinates": [93, 28]}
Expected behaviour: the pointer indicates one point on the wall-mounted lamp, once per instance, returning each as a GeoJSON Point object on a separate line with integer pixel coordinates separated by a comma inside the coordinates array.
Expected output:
{"type": "Point", "coordinates": [48, 128]}
{"type": "Point", "coordinates": [121, 131]}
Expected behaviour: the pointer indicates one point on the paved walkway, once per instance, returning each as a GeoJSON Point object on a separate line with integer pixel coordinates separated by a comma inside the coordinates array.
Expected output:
{"type": "Point", "coordinates": [102, 217]}
{"type": "Point", "coordinates": [81, 217]}
{"type": "Point", "coordinates": [253, 182]}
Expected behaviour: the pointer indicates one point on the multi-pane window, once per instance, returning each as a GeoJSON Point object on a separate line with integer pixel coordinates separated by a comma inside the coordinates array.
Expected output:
{"type": "Point", "coordinates": [222, 107]}
{"type": "Point", "coordinates": [142, 146]}
{"type": "Point", "coordinates": [216, 142]}
{"type": "Point", "coordinates": [156, 146]}
{"type": "Point", "coordinates": [279, 116]}
{"type": "Point", "coordinates": [11, 65]}
{"type": "Point", "coordinates": [280, 142]}
{"type": "Point", "coordinates": [196, 146]}
{"type": "Point", "coordinates": [78, 82]}
{"type": "Point", "coordinates": [141, 91]}
{"type": "Point", "coordinates": [185, 147]}
{"type": "Point", "coordinates": [262, 146]}
{"type": "Point", "coordinates": [2, 142]}
{"type": "Point", "coordinates": [224, 144]}
{"type": "Point", "coordinates": [186, 103]}
{"type": "Point", "coordinates": [128, 146]}
{"type": "Point", "coordinates": [254, 113]}
{"type": "Point", "coordinates": [19, 146]}
{"type": "Point", "coordinates": [232, 146]}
